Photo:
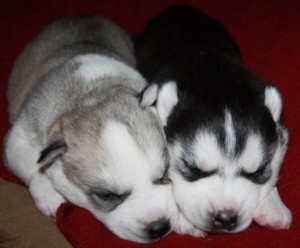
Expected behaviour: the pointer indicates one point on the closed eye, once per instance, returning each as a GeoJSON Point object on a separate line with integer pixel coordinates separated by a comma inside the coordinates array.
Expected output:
{"type": "Point", "coordinates": [260, 176]}
{"type": "Point", "coordinates": [192, 173]}
{"type": "Point", "coordinates": [107, 200]}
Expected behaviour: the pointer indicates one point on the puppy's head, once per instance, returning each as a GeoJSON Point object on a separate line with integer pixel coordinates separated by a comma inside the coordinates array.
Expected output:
{"type": "Point", "coordinates": [225, 159]}
{"type": "Point", "coordinates": [112, 160]}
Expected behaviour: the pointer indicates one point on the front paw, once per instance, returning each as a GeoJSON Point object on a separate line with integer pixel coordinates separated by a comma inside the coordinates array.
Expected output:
{"type": "Point", "coordinates": [184, 227]}
{"type": "Point", "coordinates": [46, 198]}
{"type": "Point", "coordinates": [272, 213]}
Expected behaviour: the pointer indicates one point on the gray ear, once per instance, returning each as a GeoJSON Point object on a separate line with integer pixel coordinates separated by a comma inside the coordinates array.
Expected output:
{"type": "Point", "coordinates": [52, 152]}
{"type": "Point", "coordinates": [166, 100]}
{"type": "Point", "coordinates": [273, 102]}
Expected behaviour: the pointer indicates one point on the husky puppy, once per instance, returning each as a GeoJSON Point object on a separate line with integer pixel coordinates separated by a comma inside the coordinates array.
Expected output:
{"type": "Point", "coordinates": [84, 131]}
{"type": "Point", "coordinates": [224, 128]}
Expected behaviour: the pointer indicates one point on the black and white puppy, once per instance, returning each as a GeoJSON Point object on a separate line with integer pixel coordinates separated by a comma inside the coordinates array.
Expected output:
{"type": "Point", "coordinates": [223, 123]}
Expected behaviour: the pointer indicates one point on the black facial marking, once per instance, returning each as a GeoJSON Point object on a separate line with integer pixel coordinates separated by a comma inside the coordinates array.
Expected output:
{"type": "Point", "coordinates": [260, 176]}
{"type": "Point", "coordinates": [192, 173]}
{"type": "Point", "coordinates": [107, 200]}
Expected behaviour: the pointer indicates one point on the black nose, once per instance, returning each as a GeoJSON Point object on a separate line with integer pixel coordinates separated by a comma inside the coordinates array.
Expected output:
{"type": "Point", "coordinates": [226, 219]}
{"type": "Point", "coordinates": [158, 228]}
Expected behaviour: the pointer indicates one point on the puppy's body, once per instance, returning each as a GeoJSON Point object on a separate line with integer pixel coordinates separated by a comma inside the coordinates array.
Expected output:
{"type": "Point", "coordinates": [81, 131]}
{"type": "Point", "coordinates": [59, 43]}
{"type": "Point", "coordinates": [224, 130]}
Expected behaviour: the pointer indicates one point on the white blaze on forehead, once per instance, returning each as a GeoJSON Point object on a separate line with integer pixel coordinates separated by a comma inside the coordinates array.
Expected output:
{"type": "Point", "coordinates": [207, 153]}
{"type": "Point", "coordinates": [230, 133]}
{"type": "Point", "coordinates": [252, 155]}
{"type": "Point", "coordinates": [123, 157]}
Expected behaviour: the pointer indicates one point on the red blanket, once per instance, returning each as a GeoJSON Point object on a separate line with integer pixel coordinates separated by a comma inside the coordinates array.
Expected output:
{"type": "Point", "coordinates": [268, 33]}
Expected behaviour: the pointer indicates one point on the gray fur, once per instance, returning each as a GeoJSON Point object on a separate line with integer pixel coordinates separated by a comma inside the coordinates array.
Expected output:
{"type": "Point", "coordinates": [71, 84]}
{"type": "Point", "coordinates": [45, 69]}
{"type": "Point", "coordinates": [58, 43]}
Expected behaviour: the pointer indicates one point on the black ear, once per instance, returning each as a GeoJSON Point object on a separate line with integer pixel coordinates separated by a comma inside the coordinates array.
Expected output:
{"type": "Point", "coordinates": [52, 152]}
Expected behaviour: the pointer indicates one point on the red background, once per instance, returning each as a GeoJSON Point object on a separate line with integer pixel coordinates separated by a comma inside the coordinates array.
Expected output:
{"type": "Point", "coordinates": [268, 33]}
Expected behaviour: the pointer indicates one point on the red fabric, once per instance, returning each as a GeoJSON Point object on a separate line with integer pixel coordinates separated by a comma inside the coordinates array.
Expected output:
{"type": "Point", "coordinates": [268, 33]}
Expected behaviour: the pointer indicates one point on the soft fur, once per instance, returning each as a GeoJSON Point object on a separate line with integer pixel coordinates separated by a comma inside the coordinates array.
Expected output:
{"type": "Point", "coordinates": [82, 130]}
{"type": "Point", "coordinates": [223, 125]}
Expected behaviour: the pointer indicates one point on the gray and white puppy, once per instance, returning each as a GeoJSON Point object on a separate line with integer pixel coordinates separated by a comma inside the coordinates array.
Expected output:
{"type": "Point", "coordinates": [84, 131]}
{"type": "Point", "coordinates": [224, 127]}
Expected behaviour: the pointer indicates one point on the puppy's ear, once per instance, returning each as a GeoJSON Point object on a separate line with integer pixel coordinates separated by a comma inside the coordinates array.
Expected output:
{"type": "Point", "coordinates": [166, 100]}
{"type": "Point", "coordinates": [149, 95]}
{"type": "Point", "coordinates": [52, 152]}
{"type": "Point", "coordinates": [56, 145]}
{"type": "Point", "coordinates": [273, 102]}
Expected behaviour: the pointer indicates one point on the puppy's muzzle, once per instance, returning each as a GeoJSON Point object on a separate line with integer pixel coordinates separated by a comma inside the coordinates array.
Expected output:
{"type": "Point", "coordinates": [225, 220]}
{"type": "Point", "coordinates": [158, 229]}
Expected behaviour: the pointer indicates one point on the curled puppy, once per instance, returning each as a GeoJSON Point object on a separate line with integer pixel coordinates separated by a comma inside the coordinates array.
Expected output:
{"type": "Point", "coordinates": [223, 124]}
{"type": "Point", "coordinates": [83, 129]}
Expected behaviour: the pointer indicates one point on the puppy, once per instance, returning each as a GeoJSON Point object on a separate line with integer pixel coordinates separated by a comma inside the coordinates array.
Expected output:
{"type": "Point", "coordinates": [224, 128]}
{"type": "Point", "coordinates": [84, 131]}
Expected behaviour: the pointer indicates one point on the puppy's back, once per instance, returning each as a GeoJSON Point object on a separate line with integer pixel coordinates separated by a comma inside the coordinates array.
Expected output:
{"type": "Point", "coordinates": [59, 42]}
{"type": "Point", "coordinates": [179, 27]}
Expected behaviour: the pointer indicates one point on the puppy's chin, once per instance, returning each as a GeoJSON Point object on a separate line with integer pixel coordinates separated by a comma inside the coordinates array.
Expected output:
{"type": "Point", "coordinates": [138, 237]}
{"type": "Point", "coordinates": [131, 228]}
{"type": "Point", "coordinates": [240, 227]}
{"type": "Point", "coordinates": [129, 220]}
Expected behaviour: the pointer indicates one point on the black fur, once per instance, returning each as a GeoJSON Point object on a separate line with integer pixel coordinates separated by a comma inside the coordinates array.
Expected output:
{"type": "Point", "coordinates": [185, 45]}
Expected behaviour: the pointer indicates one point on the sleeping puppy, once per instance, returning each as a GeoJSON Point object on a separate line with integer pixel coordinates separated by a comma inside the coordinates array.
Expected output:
{"type": "Point", "coordinates": [224, 128]}
{"type": "Point", "coordinates": [84, 131]}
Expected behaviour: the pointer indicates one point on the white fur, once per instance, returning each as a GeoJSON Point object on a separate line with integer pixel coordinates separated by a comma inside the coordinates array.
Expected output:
{"type": "Point", "coordinates": [273, 102]}
{"type": "Point", "coordinates": [21, 154]}
{"type": "Point", "coordinates": [121, 149]}
{"type": "Point", "coordinates": [166, 100]}
{"type": "Point", "coordinates": [200, 199]}
{"type": "Point", "coordinates": [132, 168]}
{"type": "Point", "coordinates": [184, 227]}
{"type": "Point", "coordinates": [230, 135]}
{"type": "Point", "coordinates": [22, 157]}
{"type": "Point", "coordinates": [66, 188]}
{"type": "Point", "coordinates": [126, 167]}
{"type": "Point", "coordinates": [251, 156]}
{"type": "Point", "coordinates": [93, 66]}
{"type": "Point", "coordinates": [272, 213]}
{"type": "Point", "coordinates": [206, 151]}
{"type": "Point", "coordinates": [150, 95]}
{"type": "Point", "coordinates": [46, 198]}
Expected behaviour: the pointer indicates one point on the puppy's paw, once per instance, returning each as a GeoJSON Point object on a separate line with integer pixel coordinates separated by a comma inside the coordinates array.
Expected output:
{"type": "Point", "coordinates": [46, 198]}
{"type": "Point", "coordinates": [184, 227]}
{"type": "Point", "coordinates": [272, 213]}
